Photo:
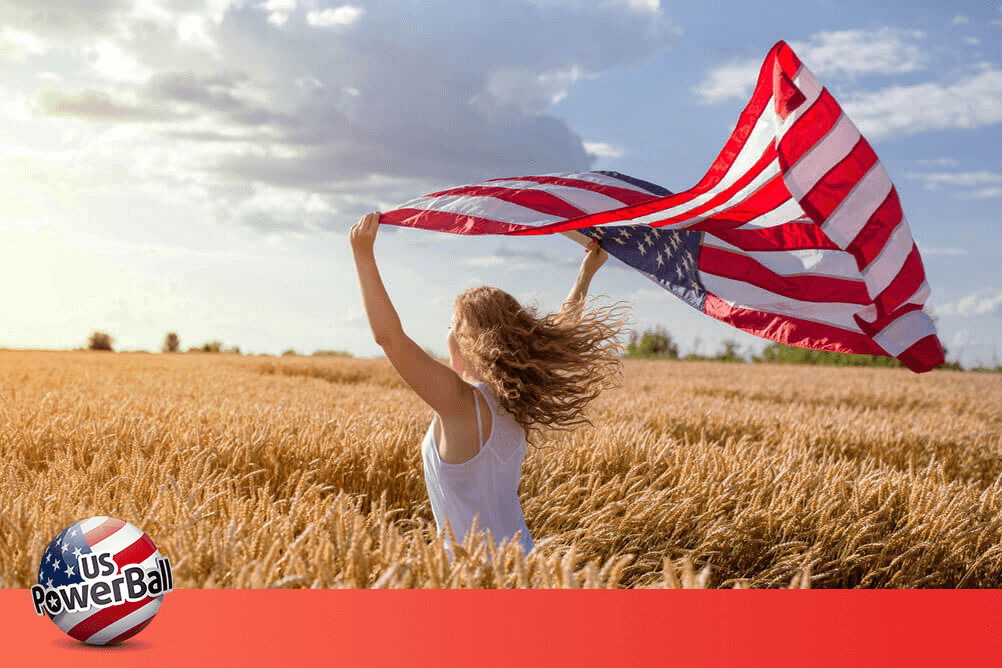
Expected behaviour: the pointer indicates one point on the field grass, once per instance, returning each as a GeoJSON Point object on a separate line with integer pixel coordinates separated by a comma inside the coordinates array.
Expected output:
{"type": "Point", "coordinates": [306, 472]}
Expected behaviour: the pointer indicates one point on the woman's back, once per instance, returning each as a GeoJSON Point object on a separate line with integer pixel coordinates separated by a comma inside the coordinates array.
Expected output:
{"type": "Point", "coordinates": [486, 485]}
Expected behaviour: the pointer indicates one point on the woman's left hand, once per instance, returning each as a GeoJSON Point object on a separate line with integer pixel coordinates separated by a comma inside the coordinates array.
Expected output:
{"type": "Point", "coordinates": [363, 233]}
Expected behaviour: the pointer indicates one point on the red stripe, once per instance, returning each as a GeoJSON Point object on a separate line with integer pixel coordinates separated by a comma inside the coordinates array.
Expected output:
{"type": "Point", "coordinates": [771, 195]}
{"type": "Point", "coordinates": [808, 130]}
{"type": "Point", "coordinates": [805, 288]}
{"type": "Point", "coordinates": [904, 285]}
{"type": "Point", "coordinates": [923, 355]}
{"type": "Point", "coordinates": [789, 330]}
{"type": "Point", "coordinates": [878, 229]}
{"type": "Point", "coordinates": [103, 530]}
{"type": "Point", "coordinates": [443, 221]}
{"type": "Point", "coordinates": [878, 325]}
{"type": "Point", "coordinates": [625, 195]}
{"type": "Point", "coordinates": [788, 236]}
{"type": "Point", "coordinates": [131, 632]}
{"type": "Point", "coordinates": [788, 60]}
{"type": "Point", "coordinates": [537, 200]}
{"type": "Point", "coordinates": [106, 616]}
{"type": "Point", "coordinates": [832, 188]}
{"type": "Point", "coordinates": [136, 553]}
{"type": "Point", "coordinates": [746, 123]}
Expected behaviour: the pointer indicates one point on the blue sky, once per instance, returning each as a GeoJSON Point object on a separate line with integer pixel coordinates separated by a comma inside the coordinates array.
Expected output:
{"type": "Point", "coordinates": [194, 165]}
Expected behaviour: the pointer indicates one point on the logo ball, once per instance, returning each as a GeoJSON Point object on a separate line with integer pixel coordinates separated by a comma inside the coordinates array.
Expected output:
{"type": "Point", "coordinates": [101, 580]}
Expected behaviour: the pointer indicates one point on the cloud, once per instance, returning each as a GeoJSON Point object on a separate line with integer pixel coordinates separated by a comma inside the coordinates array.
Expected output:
{"type": "Point", "coordinates": [970, 102]}
{"type": "Point", "coordinates": [960, 19]}
{"type": "Point", "coordinates": [411, 95]}
{"type": "Point", "coordinates": [962, 179]}
{"type": "Point", "coordinates": [845, 53]}
{"type": "Point", "coordinates": [980, 303]}
{"type": "Point", "coordinates": [603, 150]}
{"type": "Point", "coordinates": [932, 250]}
{"type": "Point", "coordinates": [518, 259]}
{"type": "Point", "coordinates": [338, 16]}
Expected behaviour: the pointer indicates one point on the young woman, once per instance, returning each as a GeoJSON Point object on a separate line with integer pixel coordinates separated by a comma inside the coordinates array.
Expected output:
{"type": "Point", "coordinates": [512, 373]}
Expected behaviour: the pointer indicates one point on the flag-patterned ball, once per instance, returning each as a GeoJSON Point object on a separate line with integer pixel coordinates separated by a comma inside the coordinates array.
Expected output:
{"type": "Point", "coordinates": [102, 580]}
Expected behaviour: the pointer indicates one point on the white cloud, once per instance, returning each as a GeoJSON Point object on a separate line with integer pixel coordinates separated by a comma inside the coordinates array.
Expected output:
{"type": "Point", "coordinates": [973, 41]}
{"type": "Point", "coordinates": [962, 179]}
{"type": "Point", "coordinates": [114, 63]}
{"type": "Point", "coordinates": [340, 16]}
{"type": "Point", "coordinates": [983, 302]}
{"type": "Point", "coordinates": [278, 10]}
{"type": "Point", "coordinates": [971, 102]}
{"type": "Point", "coordinates": [960, 19]}
{"type": "Point", "coordinates": [18, 45]}
{"type": "Point", "coordinates": [939, 162]}
{"type": "Point", "coordinates": [845, 53]}
{"type": "Point", "coordinates": [932, 250]}
{"type": "Point", "coordinates": [604, 150]}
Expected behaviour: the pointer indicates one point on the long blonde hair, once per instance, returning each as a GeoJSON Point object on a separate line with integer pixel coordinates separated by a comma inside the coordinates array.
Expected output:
{"type": "Point", "coordinates": [543, 369]}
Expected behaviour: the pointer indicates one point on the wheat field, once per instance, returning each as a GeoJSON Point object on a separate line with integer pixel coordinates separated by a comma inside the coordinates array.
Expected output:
{"type": "Point", "coordinates": [255, 471]}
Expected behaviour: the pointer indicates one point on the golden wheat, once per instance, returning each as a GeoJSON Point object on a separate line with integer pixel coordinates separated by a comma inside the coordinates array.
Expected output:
{"type": "Point", "coordinates": [306, 472]}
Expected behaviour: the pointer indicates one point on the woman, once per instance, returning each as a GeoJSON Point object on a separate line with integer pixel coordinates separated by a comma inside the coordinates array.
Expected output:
{"type": "Point", "coordinates": [512, 373]}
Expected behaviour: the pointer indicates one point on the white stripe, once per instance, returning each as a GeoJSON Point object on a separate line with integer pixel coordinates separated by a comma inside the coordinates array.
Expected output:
{"type": "Point", "coordinates": [118, 541]}
{"type": "Point", "coordinates": [855, 210]}
{"type": "Point", "coordinates": [882, 270]}
{"type": "Point", "coordinates": [820, 158]}
{"type": "Point", "coordinates": [489, 208]}
{"type": "Point", "coordinates": [89, 524]}
{"type": "Point", "coordinates": [807, 84]}
{"type": "Point", "coordinates": [125, 623]}
{"type": "Point", "coordinates": [920, 295]}
{"type": "Point", "coordinates": [771, 171]}
{"type": "Point", "coordinates": [786, 212]}
{"type": "Point", "coordinates": [588, 201]}
{"type": "Point", "coordinates": [746, 295]}
{"type": "Point", "coordinates": [898, 336]}
{"type": "Point", "coordinates": [67, 620]}
{"type": "Point", "coordinates": [605, 180]}
{"type": "Point", "coordinates": [813, 262]}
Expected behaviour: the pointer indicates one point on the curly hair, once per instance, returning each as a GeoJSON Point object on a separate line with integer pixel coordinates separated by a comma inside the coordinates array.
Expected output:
{"type": "Point", "coordinates": [543, 369]}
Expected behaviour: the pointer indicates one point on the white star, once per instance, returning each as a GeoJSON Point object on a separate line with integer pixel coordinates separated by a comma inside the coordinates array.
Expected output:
{"type": "Point", "coordinates": [56, 564]}
{"type": "Point", "coordinates": [48, 557]}
{"type": "Point", "coordinates": [643, 251]}
{"type": "Point", "coordinates": [69, 570]}
{"type": "Point", "coordinates": [678, 271]}
{"type": "Point", "coordinates": [66, 548]}
{"type": "Point", "coordinates": [661, 259]}
{"type": "Point", "coordinates": [76, 553]}
{"type": "Point", "coordinates": [41, 573]}
{"type": "Point", "coordinates": [73, 533]}
{"type": "Point", "coordinates": [48, 583]}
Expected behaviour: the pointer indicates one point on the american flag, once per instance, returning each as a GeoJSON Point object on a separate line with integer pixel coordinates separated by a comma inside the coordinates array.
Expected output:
{"type": "Point", "coordinates": [60, 566]}
{"type": "Point", "coordinates": [795, 234]}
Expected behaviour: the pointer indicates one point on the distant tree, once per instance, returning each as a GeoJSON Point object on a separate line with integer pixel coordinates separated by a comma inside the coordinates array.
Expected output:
{"type": "Point", "coordinates": [332, 353]}
{"type": "Point", "coordinates": [290, 353]}
{"type": "Point", "coordinates": [232, 350]}
{"type": "Point", "coordinates": [656, 343]}
{"type": "Point", "coordinates": [172, 343]}
{"type": "Point", "coordinates": [212, 347]}
{"type": "Point", "coordinates": [100, 341]}
{"type": "Point", "coordinates": [730, 352]}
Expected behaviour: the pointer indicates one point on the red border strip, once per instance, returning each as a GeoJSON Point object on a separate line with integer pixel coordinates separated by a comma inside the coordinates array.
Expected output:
{"type": "Point", "coordinates": [564, 628]}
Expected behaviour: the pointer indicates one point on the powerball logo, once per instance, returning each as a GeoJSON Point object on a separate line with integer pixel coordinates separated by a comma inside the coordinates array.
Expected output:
{"type": "Point", "coordinates": [101, 581]}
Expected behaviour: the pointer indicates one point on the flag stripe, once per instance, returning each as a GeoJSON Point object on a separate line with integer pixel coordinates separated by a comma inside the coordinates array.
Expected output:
{"type": "Point", "coordinates": [811, 288]}
{"type": "Point", "coordinates": [869, 243]}
{"type": "Point", "coordinates": [136, 553]}
{"type": "Point", "coordinates": [795, 235]}
{"type": "Point", "coordinates": [834, 263]}
{"type": "Point", "coordinates": [107, 528]}
{"type": "Point", "coordinates": [904, 284]}
{"type": "Point", "coordinates": [884, 268]}
{"type": "Point", "coordinates": [809, 129]}
{"type": "Point", "coordinates": [791, 329]}
{"type": "Point", "coordinates": [749, 296]}
{"type": "Point", "coordinates": [105, 616]}
{"type": "Point", "coordinates": [129, 624]}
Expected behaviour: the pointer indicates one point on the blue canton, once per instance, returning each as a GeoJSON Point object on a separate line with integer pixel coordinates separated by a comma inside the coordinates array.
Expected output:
{"type": "Point", "coordinates": [667, 257]}
{"type": "Point", "coordinates": [61, 562]}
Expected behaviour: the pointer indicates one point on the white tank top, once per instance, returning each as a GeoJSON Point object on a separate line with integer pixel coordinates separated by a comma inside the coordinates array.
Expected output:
{"type": "Point", "coordinates": [486, 485]}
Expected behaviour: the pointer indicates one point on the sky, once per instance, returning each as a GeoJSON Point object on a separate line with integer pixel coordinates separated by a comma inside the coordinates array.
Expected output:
{"type": "Point", "coordinates": [195, 165]}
